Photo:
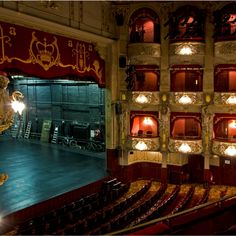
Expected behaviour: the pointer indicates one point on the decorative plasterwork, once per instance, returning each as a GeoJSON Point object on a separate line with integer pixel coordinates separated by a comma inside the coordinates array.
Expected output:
{"type": "Point", "coordinates": [196, 58]}
{"type": "Point", "coordinates": [136, 156]}
{"type": "Point", "coordinates": [144, 53]}
{"type": "Point", "coordinates": [224, 148]}
{"type": "Point", "coordinates": [195, 146]}
{"type": "Point", "coordinates": [197, 46]}
{"type": "Point", "coordinates": [152, 144]}
{"type": "Point", "coordinates": [225, 98]}
{"type": "Point", "coordinates": [177, 159]}
{"type": "Point", "coordinates": [186, 98]}
{"type": "Point", "coordinates": [147, 98]}
{"type": "Point", "coordinates": [226, 49]}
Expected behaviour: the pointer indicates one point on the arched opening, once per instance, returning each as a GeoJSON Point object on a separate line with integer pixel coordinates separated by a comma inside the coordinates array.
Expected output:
{"type": "Point", "coordinates": [144, 26]}
{"type": "Point", "coordinates": [186, 23]}
{"type": "Point", "coordinates": [225, 22]}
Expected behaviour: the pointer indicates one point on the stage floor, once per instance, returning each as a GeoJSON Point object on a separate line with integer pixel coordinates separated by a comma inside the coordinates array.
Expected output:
{"type": "Point", "coordinates": [39, 171]}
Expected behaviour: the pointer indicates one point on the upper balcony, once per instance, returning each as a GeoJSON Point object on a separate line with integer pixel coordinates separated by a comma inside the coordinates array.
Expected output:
{"type": "Point", "coordinates": [186, 35]}
{"type": "Point", "coordinates": [144, 38]}
{"type": "Point", "coordinates": [225, 34]}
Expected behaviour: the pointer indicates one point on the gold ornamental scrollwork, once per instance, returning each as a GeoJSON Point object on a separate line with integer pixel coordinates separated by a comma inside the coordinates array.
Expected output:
{"type": "Point", "coordinates": [4, 40]}
{"type": "Point", "coordinates": [152, 144]}
{"type": "Point", "coordinates": [195, 146]}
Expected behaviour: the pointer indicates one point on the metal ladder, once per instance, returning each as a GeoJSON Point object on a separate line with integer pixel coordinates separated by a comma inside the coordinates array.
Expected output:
{"type": "Point", "coordinates": [17, 129]}
{"type": "Point", "coordinates": [28, 129]}
{"type": "Point", "coordinates": [55, 135]}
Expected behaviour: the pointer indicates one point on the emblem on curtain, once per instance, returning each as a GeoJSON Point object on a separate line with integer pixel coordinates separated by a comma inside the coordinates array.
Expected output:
{"type": "Point", "coordinates": [44, 53]}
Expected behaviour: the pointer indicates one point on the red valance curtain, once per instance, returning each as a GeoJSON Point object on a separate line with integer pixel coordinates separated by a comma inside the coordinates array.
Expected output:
{"type": "Point", "coordinates": [46, 55]}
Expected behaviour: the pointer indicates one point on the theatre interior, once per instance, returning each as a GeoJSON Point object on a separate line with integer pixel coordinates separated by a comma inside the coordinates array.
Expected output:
{"type": "Point", "coordinates": [117, 117]}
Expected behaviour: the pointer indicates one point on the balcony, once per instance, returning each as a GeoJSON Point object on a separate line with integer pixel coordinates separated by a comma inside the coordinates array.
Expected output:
{"type": "Point", "coordinates": [143, 144]}
{"type": "Point", "coordinates": [185, 146]}
{"type": "Point", "coordinates": [223, 148]}
{"type": "Point", "coordinates": [144, 53]}
{"type": "Point", "coordinates": [186, 98]}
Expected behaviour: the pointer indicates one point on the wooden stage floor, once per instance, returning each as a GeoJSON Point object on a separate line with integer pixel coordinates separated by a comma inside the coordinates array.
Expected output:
{"type": "Point", "coordinates": [39, 171]}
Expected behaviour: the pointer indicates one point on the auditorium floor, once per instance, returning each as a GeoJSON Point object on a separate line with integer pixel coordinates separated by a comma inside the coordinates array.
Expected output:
{"type": "Point", "coordinates": [40, 171]}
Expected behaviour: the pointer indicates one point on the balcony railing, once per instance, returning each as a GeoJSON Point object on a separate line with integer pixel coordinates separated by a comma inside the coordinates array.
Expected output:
{"type": "Point", "coordinates": [145, 98]}
{"type": "Point", "coordinates": [186, 98]}
{"type": "Point", "coordinates": [225, 98]}
{"type": "Point", "coordinates": [144, 53]}
{"type": "Point", "coordinates": [196, 56]}
{"type": "Point", "coordinates": [225, 51]}
{"type": "Point", "coordinates": [143, 143]}
{"type": "Point", "coordinates": [223, 148]}
{"type": "Point", "coordinates": [185, 146]}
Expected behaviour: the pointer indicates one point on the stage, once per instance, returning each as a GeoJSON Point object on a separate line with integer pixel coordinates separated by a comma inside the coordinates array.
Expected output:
{"type": "Point", "coordinates": [39, 171]}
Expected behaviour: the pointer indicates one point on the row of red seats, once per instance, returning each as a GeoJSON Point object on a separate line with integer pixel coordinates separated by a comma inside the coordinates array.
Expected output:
{"type": "Point", "coordinates": [71, 213]}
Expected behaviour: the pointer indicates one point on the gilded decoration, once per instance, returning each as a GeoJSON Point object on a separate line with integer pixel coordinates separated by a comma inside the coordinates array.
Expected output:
{"type": "Point", "coordinates": [194, 147]}
{"type": "Point", "coordinates": [226, 49]}
{"type": "Point", "coordinates": [225, 98]}
{"type": "Point", "coordinates": [186, 98]}
{"type": "Point", "coordinates": [224, 148]}
{"type": "Point", "coordinates": [153, 157]}
{"type": "Point", "coordinates": [151, 144]}
{"type": "Point", "coordinates": [143, 98]}
{"type": "Point", "coordinates": [198, 48]}
{"type": "Point", "coordinates": [43, 53]}
{"type": "Point", "coordinates": [143, 54]}
{"type": "Point", "coordinates": [6, 111]}
{"type": "Point", "coordinates": [49, 53]}
{"type": "Point", "coordinates": [196, 58]}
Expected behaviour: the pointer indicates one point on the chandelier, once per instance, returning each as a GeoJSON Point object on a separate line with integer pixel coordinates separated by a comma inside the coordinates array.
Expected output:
{"type": "Point", "coordinates": [8, 105]}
